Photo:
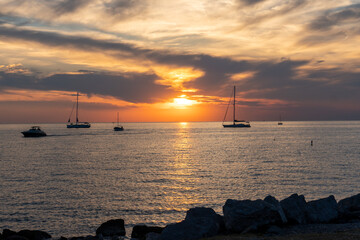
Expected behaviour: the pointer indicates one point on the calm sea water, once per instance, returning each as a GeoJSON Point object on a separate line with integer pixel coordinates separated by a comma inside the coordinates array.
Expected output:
{"type": "Point", "coordinates": [71, 181]}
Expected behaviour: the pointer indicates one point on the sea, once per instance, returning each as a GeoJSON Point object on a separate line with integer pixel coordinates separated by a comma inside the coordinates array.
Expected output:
{"type": "Point", "coordinates": [71, 181]}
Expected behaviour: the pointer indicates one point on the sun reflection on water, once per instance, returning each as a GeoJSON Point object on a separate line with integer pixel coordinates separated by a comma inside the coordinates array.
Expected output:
{"type": "Point", "coordinates": [182, 171]}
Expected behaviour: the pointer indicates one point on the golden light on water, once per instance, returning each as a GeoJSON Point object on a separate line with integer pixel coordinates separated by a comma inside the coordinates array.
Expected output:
{"type": "Point", "coordinates": [183, 124]}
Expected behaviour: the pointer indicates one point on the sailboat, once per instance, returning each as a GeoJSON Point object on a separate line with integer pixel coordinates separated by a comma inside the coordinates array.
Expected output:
{"type": "Point", "coordinates": [77, 124]}
{"type": "Point", "coordinates": [118, 127]}
{"type": "Point", "coordinates": [235, 123]}
{"type": "Point", "coordinates": [280, 122]}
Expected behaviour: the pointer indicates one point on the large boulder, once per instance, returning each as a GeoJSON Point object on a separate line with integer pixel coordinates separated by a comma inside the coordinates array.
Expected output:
{"type": "Point", "coordinates": [140, 231]}
{"type": "Point", "coordinates": [295, 209]}
{"type": "Point", "coordinates": [272, 200]}
{"type": "Point", "coordinates": [349, 208]}
{"type": "Point", "coordinates": [198, 223]}
{"type": "Point", "coordinates": [113, 227]}
{"type": "Point", "coordinates": [322, 210]}
{"type": "Point", "coordinates": [246, 215]}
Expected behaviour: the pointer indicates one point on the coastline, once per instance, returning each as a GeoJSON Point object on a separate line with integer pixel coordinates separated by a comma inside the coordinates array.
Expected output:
{"type": "Point", "coordinates": [242, 219]}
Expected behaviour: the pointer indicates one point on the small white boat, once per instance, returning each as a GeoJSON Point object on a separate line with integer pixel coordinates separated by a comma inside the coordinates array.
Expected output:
{"type": "Point", "coordinates": [34, 131]}
{"type": "Point", "coordinates": [118, 127]}
{"type": "Point", "coordinates": [77, 124]}
{"type": "Point", "coordinates": [235, 123]}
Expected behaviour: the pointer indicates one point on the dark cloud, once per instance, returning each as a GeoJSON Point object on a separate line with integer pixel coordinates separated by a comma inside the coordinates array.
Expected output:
{"type": "Point", "coordinates": [274, 74]}
{"type": "Point", "coordinates": [58, 40]}
{"type": "Point", "coordinates": [249, 2]}
{"type": "Point", "coordinates": [123, 9]}
{"type": "Point", "coordinates": [336, 17]}
{"type": "Point", "coordinates": [69, 6]}
{"type": "Point", "coordinates": [283, 81]}
{"type": "Point", "coordinates": [132, 87]}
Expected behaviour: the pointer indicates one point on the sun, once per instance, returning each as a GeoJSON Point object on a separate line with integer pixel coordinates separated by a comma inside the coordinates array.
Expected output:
{"type": "Point", "coordinates": [182, 102]}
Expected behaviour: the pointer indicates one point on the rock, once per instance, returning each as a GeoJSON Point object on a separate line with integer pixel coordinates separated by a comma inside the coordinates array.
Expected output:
{"type": "Point", "coordinates": [349, 208]}
{"type": "Point", "coordinates": [152, 236]}
{"type": "Point", "coordinates": [7, 233]}
{"type": "Point", "coordinates": [16, 237]}
{"type": "Point", "coordinates": [85, 238]}
{"type": "Point", "coordinates": [323, 210]}
{"type": "Point", "coordinates": [140, 231]}
{"type": "Point", "coordinates": [246, 215]}
{"type": "Point", "coordinates": [34, 234]}
{"type": "Point", "coordinates": [198, 223]}
{"type": "Point", "coordinates": [295, 209]}
{"type": "Point", "coordinates": [111, 228]}
{"type": "Point", "coordinates": [272, 200]}
{"type": "Point", "coordinates": [274, 230]}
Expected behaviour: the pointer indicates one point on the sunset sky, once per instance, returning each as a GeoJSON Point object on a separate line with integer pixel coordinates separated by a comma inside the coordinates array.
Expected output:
{"type": "Point", "coordinates": [160, 61]}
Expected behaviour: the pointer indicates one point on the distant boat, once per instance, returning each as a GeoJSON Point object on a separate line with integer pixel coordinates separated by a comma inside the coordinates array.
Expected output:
{"type": "Point", "coordinates": [34, 131]}
{"type": "Point", "coordinates": [280, 122]}
{"type": "Point", "coordinates": [118, 127]}
{"type": "Point", "coordinates": [77, 124]}
{"type": "Point", "coordinates": [235, 123]}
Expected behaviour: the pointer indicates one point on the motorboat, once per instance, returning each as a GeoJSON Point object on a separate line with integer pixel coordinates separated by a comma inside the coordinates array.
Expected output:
{"type": "Point", "coordinates": [34, 131]}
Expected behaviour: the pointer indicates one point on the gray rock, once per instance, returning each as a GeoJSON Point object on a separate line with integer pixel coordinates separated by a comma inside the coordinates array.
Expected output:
{"type": "Point", "coordinates": [295, 209]}
{"type": "Point", "coordinates": [246, 215]}
{"type": "Point", "coordinates": [112, 228]}
{"type": "Point", "coordinates": [322, 210]}
{"type": "Point", "coordinates": [349, 208]}
{"type": "Point", "coordinates": [199, 223]}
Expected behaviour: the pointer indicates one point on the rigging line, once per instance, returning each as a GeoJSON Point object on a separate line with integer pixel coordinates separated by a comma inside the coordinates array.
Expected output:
{"type": "Point", "coordinates": [71, 111]}
{"type": "Point", "coordinates": [228, 106]}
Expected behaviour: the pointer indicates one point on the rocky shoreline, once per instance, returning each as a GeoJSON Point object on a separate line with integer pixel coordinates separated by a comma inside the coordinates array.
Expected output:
{"type": "Point", "coordinates": [292, 215]}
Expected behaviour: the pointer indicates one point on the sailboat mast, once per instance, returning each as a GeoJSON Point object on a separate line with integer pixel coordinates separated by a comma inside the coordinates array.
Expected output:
{"type": "Point", "coordinates": [77, 107]}
{"type": "Point", "coordinates": [117, 119]}
{"type": "Point", "coordinates": [234, 104]}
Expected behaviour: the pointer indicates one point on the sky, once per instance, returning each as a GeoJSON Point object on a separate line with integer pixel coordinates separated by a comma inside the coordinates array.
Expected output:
{"type": "Point", "coordinates": [176, 61]}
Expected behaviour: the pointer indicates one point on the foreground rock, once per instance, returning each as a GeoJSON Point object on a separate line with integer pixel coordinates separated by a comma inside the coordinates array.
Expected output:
{"type": "Point", "coordinates": [295, 209]}
{"type": "Point", "coordinates": [324, 210]}
{"type": "Point", "coordinates": [246, 215]}
{"type": "Point", "coordinates": [141, 231]}
{"type": "Point", "coordinates": [198, 223]}
{"type": "Point", "coordinates": [349, 208]}
{"type": "Point", "coordinates": [112, 228]}
{"type": "Point", "coordinates": [267, 216]}
{"type": "Point", "coordinates": [25, 235]}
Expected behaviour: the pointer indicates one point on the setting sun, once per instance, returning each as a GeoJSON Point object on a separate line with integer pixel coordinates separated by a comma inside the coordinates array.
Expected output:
{"type": "Point", "coordinates": [182, 102]}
